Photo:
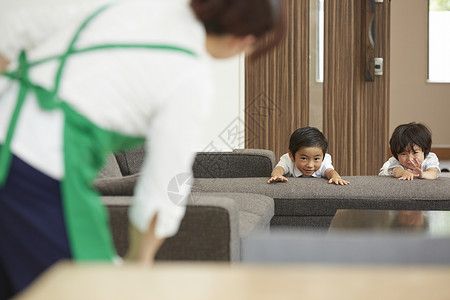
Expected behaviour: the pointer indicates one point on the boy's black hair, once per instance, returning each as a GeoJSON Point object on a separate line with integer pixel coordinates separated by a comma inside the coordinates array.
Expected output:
{"type": "Point", "coordinates": [405, 136]}
{"type": "Point", "coordinates": [307, 137]}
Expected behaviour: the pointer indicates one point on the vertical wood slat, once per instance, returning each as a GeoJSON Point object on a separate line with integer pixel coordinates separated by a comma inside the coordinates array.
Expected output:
{"type": "Point", "coordinates": [277, 86]}
{"type": "Point", "coordinates": [356, 112]}
{"type": "Point", "coordinates": [368, 35]}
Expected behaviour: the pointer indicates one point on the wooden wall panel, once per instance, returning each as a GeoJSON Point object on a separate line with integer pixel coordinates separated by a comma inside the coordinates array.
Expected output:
{"type": "Point", "coordinates": [356, 112]}
{"type": "Point", "coordinates": [277, 86]}
{"type": "Point", "coordinates": [442, 153]}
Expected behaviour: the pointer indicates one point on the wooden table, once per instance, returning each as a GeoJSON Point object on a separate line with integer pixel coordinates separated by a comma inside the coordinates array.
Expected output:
{"type": "Point", "coordinates": [199, 281]}
{"type": "Point", "coordinates": [431, 223]}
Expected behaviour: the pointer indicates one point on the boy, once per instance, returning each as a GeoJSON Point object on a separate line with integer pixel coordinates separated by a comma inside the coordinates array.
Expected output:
{"type": "Point", "coordinates": [306, 157]}
{"type": "Point", "coordinates": [410, 146]}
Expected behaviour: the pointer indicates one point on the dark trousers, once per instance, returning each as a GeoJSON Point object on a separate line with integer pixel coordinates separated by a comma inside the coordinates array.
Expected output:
{"type": "Point", "coordinates": [32, 229]}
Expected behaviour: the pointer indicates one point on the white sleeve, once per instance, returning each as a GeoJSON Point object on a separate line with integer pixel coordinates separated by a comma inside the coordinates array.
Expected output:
{"type": "Point", "coordinates": [326, 164]}
{"type": "Point", "coordinates": [384, 171]}
{"type": "Point", "coordinates": [431, 161]}
{"type": "Point", "coordinates": [387, 168]}
{"type": "Point", "coordinates": [26, 23]}
{"type": "Point", "coordinates": [285, 162]}
{"type": "Point", "coordinates": [166, 178]}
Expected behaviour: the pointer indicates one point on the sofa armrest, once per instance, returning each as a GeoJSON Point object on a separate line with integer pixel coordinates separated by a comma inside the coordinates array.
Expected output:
{"type": "Point", "coordinates": [209, 230]}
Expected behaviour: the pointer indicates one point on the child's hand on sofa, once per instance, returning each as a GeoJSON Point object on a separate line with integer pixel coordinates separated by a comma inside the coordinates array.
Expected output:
{"type": "Point", "coordinates": [334, 177]}
{"type": "Point", "coordinates": [277, 175]}
{"type": "Point", "coordinates": [338, 180]}
{"type": "Point", "coordinates": [404, 174]}
{"type": "Point", "coordinates": [277, 178]}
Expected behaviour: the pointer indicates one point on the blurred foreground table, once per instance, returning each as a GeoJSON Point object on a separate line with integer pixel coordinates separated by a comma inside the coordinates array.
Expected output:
{"type": "Point", "coordinates": [199, 281]}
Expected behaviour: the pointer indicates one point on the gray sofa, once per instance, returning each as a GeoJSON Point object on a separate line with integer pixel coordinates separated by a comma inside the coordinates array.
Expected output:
{"type": "Point", "coordinates": [311, 202]}
{"type": "Point", "coordinates": [306, 203]}
{"type": "Point", "coordinates": [214, 224]}
{"type": "Point", "coordinates": [301, 203]}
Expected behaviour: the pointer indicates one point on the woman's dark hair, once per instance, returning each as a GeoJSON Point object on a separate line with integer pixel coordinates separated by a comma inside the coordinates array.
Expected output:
{"type": "Point", "coordinates": [405, 136]}
{"type": "Point", "coordinates": [243, 17]}
{"type": "Point", "coordinates": [307, 137]}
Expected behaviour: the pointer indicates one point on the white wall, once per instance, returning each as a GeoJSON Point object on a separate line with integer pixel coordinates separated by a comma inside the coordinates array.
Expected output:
{"type": "Point", "coordinates": [225, 130]}
{"type": "Point", "coordinates": [412, 98]}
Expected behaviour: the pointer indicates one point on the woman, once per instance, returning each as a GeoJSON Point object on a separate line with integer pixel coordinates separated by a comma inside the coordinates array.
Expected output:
{"type": "Point", "coordinates": [95, 79]}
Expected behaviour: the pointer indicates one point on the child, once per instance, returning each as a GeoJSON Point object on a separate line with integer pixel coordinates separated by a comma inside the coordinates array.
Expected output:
{"type": "Point", "coordinates": [306, 157]}
{"type": "Point", "coordinates": [410, 146]}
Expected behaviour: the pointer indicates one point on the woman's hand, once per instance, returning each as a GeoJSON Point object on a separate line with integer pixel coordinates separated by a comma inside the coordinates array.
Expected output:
{"type": "Point", "coordinates": [3, 63]}
{"type": "Point", "coordinates": [143, 245]}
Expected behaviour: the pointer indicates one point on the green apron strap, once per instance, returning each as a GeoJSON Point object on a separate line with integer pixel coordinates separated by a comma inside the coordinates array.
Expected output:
{"type": "Point", "coordinates": [136, 46]}
{"type": "Point", "coordinates": [64, 57]}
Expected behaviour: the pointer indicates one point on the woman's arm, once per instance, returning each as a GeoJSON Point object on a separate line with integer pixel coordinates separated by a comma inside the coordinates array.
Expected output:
{"type": "Point", "coordinates": [164, 185]}
{"type": "Point", "coordinates": [143, 245]}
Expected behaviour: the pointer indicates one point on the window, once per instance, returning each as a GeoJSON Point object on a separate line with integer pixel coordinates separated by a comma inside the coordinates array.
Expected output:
{"type": "Point", "coordinates": [439, 41]}
{"type": "Point", "coordinates": [320, 42]}
{"type": "Point", "coordinates": [316, 63]}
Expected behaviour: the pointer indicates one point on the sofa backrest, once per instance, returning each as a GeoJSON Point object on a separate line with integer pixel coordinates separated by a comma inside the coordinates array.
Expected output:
{"type": "Point", "coordinates": [237, 164]}
{"type": "Point", "coordinates": [111, 168]}
{"type": "Point", "coordinates": [130, 161]}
